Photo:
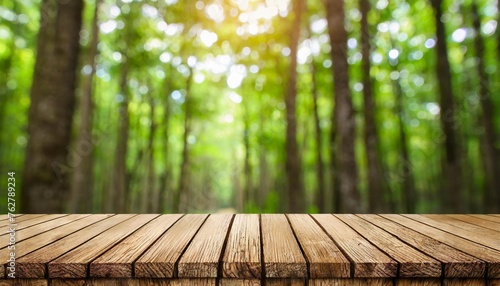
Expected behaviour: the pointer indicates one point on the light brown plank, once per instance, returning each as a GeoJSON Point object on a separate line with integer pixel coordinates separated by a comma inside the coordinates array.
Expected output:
{"type": "Point", "coordinates": [491, 256]}
{"type": "Point", "coordinates": [133, 282]}
{"type": "Point", "coordinates": [242, 256]}
{"type": "Point", "coordinates": [324, 257]}
{"type": "Point", "coordinates": [24, 282]}
{"type": "Point", "coordinates": [240, 282]}
{"type": "Point", "coordinates": [476, 221]}
{"type": "Point", "coordinates": [477, 234]}
{"type": "Point", "coordinates": [412, 263]}
{"type": "Point", "coordinates": [456, 263]}
{"type": "Point", "coordinates": [160, 259]}
{"type": "Point", "coordinates": [351, 282]}
{"type": "Point", "coordinates": [74, 264]}
{"type": "Point", "coordinates": [487, 217]}
{"type": "Point", "coordinates": [44, 227]}
{"type": "Point", "coordinates": [17, 218]}
{"type": "Point", "coordinates": [26, 246]}
{"type": "Point", "coordinates": [118, 261]}
{"type": "Point", "coordinates": [33, 264]}
{"type": "Point", "coordinates": [201, 258]}
{"type": "Point", "coordinates": [31, 222]}
{"type": "Point", "coordinates": [285, 282]}
{"type": "Point", "coordinates": [368, 260]}
{"type": "Point", "coordinates": [282, 255]}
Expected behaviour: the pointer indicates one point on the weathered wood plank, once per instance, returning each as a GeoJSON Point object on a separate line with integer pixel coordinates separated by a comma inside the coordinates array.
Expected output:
{"type": "Point", "coordinates": [412, 263]}
{"type": "Point", "coordinates": [368, 260]}
{"type": "Point", "coordinates": [493, 282]}
{"type": "Point", "coordinates": [24, 282]}
{"type": "Point", "coordinates": [476, 221]}
{"type": "Point", "coordinates": [133, 282]}
{"type": "Point", "coordinates": [456, 263]}
{"type": "Point", "coordinates": [478, 234]}
{"type": "Point", "coordinates": [491, 256]}
{"type": "Point", "coordinates": [463, 282]}
{"type": "Point", "coordinates": [43, 227]}
{"type": "Point", "coordinates": [242, 256]}
{"type": "Point", "coordinates": [118, 261]}
{"type": "Point", "coordinates": [33, 265]}
{"type": "Point", "coordinates": [324, 257]}
{"type": "Point", "coordinates": [285, 282]}
{"type": "Point", "coordinates": [159, 261]}
{"type": "Point", "coordinates": [201, 258]}
{"type": "Point", "coordinates": [351, 282]}
{"type": "Point", "coordinates": [282, 255]}
{"type": "Point", "coordinates": [239, 282]}
{"type": "Point", "coordinates": [32, 221]}
{"type": "Point", "coordinates": [45, 239]}
{"type": "Point", "coordinates": [418, 282]}
{"type": "Point", "coordinates": [487, 217]}
{"type": "Point", "coordinates": [74, 264]}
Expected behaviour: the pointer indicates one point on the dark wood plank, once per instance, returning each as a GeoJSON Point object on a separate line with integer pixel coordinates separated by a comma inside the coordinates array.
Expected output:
{"type": "Point", "coordinates": [239, 282]}
{"type": "Point", "coordinates": [456, 263]}
{"type": "Point", "coordinates": [201, 258]}
{"type": "Point", "coordinates": [24, 282]}
{"type": "Point", "coordinates": [368, 260]}
{"type": "Point", "coordinates": [463, 282]}
{"type": "Point", "coordinates": [74, 264]}
{"type": "Point", "coordinates": [324, 257]}
{"type": "Point", "coordinates": [282, 255]}
{"type": "Point", "coordinates": [242, 256]}
{"type": "Point", "coordinates": [133, 282]}
{"type": "Point", "coordinates": [160, 259]}
{"type": "Point", "coordinates": [477, 221]}
{"type": "Point", "coordinates": [419, 282]}
{"type": "Point", "coordinates": [351, 282]}
{"type": "Point", "coordinates": [285, 282]}
{"type": "Point", "coordinates": [469, 231]}
{"type": "Point", "coordinates": [491, 256]}
{"type": "Point", "coordinates": [493, 282]}
{"type": "Point", "coordinates": [33, 265]}
{"type": "Point", "coordinates": [118, 261]}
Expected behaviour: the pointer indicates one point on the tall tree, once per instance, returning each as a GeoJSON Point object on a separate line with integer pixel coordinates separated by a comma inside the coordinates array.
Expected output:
{"type": "Point", "coordinates": [343, 112]}
{"type": "Point", "coordinates": [45, 184]}
{"type": "Point", "coordinates": [491, 152]}
{"type": "Point", "coordinates": [452, 197]}
{"type": "Point", "coordinates": [83, 181]}
{"type": "Point", "coordinates": [165, 178]}
{"type": "Point", "coordinates": [294, 185]}
{"type": "Point", "coordinates": [376, 185]}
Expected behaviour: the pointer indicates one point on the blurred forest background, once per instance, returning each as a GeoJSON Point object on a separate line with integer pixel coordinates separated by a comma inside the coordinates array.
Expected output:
{"type": "Point", "coordinates": [253, 105]}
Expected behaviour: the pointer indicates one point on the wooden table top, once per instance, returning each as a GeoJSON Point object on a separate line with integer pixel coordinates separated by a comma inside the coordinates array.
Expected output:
{"type": "Point", "coordinates": [255, 247]}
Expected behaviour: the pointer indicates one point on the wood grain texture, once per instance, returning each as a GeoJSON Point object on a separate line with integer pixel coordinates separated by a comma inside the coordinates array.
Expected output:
{"type": "Point", "coordinates": [412, 263]}
{"type": "Point", "coordinates": [477, 221]}
{"type": "Point", "coordinates": [159, 261]}
{"type": "Point", "coordinates": [282, 255]}
{"type": "Point", "coordinates": [47, 226]}
{"type": "Point", "coordinates": [240, 282]}
{"type": "Point", "coordinates": [469, 231]}
{"type": "Point", "coordinates": [285, 282]}
{"type": "Point", "coordinates": [26, 224]}
{"type": "Point", "coordinates": [456, 263]}
{"type": "Point", "coordinates": [118, 261]}
{"type": "Point", "coordinates": [351, 282]}
{"type": "Point", "coordinates": [45, 239]}
{"type": "Point", "coordinates": [133, 282]}
{"type": "Point", "coordinates": [368, 260]}
{"type": "Point", "coordinates": [463, 282]}
{"type": "Point", "coordinates": [324, 257]}
{"type": "Point", "coordinates": [201, 258]}
{"type": "Point", "coordinates": [418, 282]}
{"type": "Point", "coordinates": [487, 217]}
{"type": "Point", "coordinates": [493, 282]}
{"type": "Point", "coordinates": [74, 264]}
{"type": "Point", "coordinates": [491, 256]}
{"type": "Point", "coordinates": [24, 282]}
{"type": "Point", "coordinates": [33, 265]}
{"type": "Point", "coordinates": [242, 256]}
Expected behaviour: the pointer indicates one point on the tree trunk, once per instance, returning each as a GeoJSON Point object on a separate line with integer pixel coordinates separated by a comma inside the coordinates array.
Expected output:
{"type": "Point", "coordinates": [376, 186]}
{"type": "Point", "coordinates": [452, 169]}
{"type": "Point", "coordinates": [492, 154]}
{"type": "Point", "coordinates": [83, 181]}
{"type": "Point", "coordinates": [181, 198]}
{"type": "Point", "coordinates": [166, 177]}
{"type": "Point", "coordinates": [320, 198]}
{"type": "Point", "coordinates": [45, 179]}
{"type": "Point", "coordinates": [149, 193]}
{"type": "Point", "coordinates": [405, 176]}
{"type": "Point", "coordinates": [295, 185]}
{"type": "Point", "coordinates": [343, 111]}
{"type": "Point", "coordinates": [247, 167]}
